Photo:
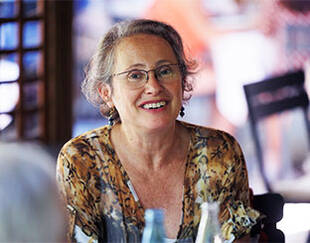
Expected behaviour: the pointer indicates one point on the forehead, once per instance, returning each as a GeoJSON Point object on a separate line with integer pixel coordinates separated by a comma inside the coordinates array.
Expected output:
{"type": "Point", "coordinates": [143, 48]}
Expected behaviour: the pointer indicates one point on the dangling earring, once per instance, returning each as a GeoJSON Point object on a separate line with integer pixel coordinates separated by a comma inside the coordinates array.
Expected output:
{"type": "Point", "coordinates": [182, 111]}
{"type": "Point", "coordinates": [112, 116]}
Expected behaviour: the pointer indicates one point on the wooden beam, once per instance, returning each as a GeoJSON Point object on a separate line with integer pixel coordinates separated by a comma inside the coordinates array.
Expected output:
{"type": "Point", "coordinates": [58, 71]}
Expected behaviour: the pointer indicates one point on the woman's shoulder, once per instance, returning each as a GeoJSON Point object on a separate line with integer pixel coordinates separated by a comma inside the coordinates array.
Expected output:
{"type": "Point", "coordinates": [86, 140]}
{"type": "Point", "coordinates": [207, 133]}
{"type": "Point", "coordinates": [80, 154]}
{"type": "Point", "coordinates": [84, 150]}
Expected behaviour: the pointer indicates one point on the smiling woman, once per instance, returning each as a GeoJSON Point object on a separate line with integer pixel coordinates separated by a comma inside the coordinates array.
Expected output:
{"type": "Point", "coordinates": [146, 158]}
{"type": "Point", "coordinates": [135, 101]}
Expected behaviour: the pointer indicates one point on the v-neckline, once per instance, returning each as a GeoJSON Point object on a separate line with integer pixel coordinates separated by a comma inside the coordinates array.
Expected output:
{"type": "Point", "coordinates": [133, 195]}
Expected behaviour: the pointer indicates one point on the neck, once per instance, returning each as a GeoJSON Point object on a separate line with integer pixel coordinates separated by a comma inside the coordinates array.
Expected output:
{"type": "Point", "coordinates": [153, 148]}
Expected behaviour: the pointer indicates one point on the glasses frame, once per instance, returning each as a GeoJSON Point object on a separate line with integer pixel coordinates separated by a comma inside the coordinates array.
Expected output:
{"type": "Point", "coordinates": [146, 71]}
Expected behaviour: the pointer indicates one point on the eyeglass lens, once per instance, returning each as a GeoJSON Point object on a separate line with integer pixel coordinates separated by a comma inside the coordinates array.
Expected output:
{"type": "Point", "coordinates": [162, 73]}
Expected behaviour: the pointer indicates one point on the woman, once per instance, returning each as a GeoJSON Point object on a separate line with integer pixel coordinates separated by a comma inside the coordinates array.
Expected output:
{"type": "Point", "coordinates": [145, 158]}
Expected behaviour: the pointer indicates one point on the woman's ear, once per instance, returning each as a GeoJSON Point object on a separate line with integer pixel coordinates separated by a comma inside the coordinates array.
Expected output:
{"type": "Point", "coordinates": [105, 93]}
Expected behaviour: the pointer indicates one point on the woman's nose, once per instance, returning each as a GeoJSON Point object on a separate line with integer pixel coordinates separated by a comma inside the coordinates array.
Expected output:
{"type": "Point", "coordinates": [152, 84]}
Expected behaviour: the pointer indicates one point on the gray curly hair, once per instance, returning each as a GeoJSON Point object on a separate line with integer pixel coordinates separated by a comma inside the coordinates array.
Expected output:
{"type": "Point", "coordinates": [99, 69]}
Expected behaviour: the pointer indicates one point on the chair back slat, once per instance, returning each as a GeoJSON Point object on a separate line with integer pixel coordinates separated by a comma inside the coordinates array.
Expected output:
{"type": "Point", "coordinates": [275, 95]}
{"type": "Point", "coordinates": [296, 78]}
{"type": "Point", "coordinates": [265, 110]}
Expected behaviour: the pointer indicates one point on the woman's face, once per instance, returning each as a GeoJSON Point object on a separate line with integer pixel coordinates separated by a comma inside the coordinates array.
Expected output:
{"type": "Point", "coordinates": [154, 104]}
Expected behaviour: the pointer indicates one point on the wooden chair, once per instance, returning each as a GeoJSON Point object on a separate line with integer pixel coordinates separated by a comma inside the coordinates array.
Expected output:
{"type": "Point", "coordinates": [272, 96]}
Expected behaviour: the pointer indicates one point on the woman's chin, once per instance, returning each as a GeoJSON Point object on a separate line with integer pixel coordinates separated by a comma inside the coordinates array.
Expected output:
{"type": "Point", "coordinates": [158, 124]}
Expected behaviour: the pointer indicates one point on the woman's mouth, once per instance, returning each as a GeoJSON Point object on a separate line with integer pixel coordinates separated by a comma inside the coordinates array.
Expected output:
{"type": "Point", "coordinates": [155, 105]}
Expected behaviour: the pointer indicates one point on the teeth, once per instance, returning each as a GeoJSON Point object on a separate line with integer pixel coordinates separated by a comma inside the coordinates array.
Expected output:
{"type": "Point", "coordinates": [154, 105]}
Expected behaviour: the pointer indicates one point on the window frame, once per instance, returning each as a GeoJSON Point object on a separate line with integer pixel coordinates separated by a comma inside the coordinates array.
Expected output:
{"type": "Point", "coordinates": [55, 97]}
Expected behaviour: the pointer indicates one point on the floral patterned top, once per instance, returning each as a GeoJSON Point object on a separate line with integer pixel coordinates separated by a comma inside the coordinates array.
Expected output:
{"type": "Point", "coordinates": [102, 204]}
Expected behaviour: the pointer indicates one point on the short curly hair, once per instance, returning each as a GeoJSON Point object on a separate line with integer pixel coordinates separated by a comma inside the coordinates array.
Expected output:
{"type": "Point", "coordinates": [99, 69]}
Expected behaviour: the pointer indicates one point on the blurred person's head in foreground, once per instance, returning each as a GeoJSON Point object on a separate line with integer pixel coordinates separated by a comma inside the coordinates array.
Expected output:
{"type": "Point", "coordinates": [30, 210]}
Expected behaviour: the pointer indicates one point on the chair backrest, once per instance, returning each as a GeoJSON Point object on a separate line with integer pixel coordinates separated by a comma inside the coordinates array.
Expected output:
{"type": "Point", "coordinates": [271, 96]}
{"type": "Point", "coordinates": [276, 94]}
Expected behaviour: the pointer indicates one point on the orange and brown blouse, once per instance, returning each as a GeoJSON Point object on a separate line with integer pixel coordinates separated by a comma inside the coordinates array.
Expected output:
{"type": "Point", "coordinates": [103, 205]}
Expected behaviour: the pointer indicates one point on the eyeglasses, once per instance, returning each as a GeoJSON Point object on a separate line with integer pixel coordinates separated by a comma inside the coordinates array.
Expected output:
{"type": "Point", "coordinates": [137, 78]}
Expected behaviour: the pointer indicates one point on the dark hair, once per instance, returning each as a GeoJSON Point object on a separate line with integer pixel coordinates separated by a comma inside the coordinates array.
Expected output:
{"type": "Point", "coordinates": [99, 69]}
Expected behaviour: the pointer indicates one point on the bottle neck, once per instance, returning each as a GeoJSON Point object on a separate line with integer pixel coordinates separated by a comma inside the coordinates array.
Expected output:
{"type": "Point", "coordinates": [209, 228]}
{"type": "Point", "coordinates": [153, 230]}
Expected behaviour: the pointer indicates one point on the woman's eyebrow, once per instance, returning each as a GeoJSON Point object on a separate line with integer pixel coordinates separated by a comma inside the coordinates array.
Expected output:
{"type": "Point", "coordinates": [137, 65]}
{"type": "Point", "coordinates": [141, 65]}
{"type": "Point", "coordinates": [163, 61]}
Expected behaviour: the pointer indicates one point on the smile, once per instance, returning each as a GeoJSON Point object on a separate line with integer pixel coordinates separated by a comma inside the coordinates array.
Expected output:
{"type": "Point", "coordinates": [154, 105]}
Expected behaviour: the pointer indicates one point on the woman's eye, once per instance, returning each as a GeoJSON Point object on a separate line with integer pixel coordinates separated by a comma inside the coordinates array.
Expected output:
{"type": "Point", "coordinates": [164, 71]}
{"type": "Point", "coordinates": [135, 75]}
